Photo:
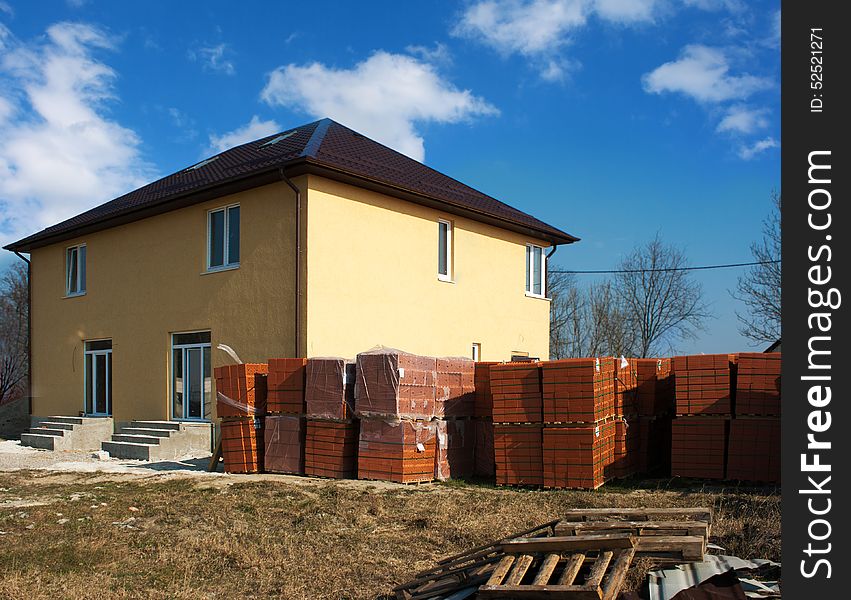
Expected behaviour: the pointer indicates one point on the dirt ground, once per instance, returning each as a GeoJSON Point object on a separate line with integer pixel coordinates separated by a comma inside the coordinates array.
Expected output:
{"type": "Point", "coordinates": [135, 530]}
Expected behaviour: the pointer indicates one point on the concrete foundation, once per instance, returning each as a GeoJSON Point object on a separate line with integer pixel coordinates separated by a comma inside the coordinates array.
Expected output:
{"type": "Point", "coordinates": [161, 440]}
{"type": "Point", "coordinates": [68, 433]}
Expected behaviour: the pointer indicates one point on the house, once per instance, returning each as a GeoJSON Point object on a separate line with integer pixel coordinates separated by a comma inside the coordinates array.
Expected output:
{"type": "Point", "coordinates": [316, 241]}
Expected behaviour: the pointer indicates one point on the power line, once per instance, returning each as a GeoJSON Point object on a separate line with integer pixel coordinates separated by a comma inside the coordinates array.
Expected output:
{"type": "Point", "coordinates": [701, 268]}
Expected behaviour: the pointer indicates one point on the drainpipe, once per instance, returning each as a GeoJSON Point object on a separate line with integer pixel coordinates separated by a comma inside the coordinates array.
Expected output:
{"type": "Point", "coordinates": [553, 251]}
{"type": "Point", "coordinates": [29, 331]}
{"type": "Point", "coordinates": [297, 191]}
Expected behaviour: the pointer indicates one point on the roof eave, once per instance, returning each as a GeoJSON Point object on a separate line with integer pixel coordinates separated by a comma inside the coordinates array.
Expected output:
{"type": "Point", "coordinates": [294, 167]}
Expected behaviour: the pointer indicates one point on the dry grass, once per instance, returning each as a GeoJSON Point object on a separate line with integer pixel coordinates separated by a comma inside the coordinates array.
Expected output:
{"type": "Point", "coordinates": [202, 539]}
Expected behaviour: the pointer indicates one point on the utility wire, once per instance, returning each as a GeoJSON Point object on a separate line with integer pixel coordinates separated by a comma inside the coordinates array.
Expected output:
{"type": "Point", "coordinates": [701, 268]}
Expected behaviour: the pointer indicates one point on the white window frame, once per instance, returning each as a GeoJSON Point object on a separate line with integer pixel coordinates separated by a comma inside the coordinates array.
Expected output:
{"type": "Point", "coordinates": [206, 394]}
{"type": "Point", "coordinates": [448, 275]}
{"type": "Point", "coordinates": [530, 272]}
{"type": "Point", "coordinates": [79, 292]}
{"type": "Point", "coordinates": [225, 242]}
{"type": "Point", "coordinates": [477, 352]}
{"type": "Point", "coordinates": [92, 355]}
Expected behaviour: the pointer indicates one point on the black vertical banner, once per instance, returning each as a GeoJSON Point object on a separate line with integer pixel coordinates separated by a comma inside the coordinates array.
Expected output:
{"type": "Point", "coordinates": [816, 56]}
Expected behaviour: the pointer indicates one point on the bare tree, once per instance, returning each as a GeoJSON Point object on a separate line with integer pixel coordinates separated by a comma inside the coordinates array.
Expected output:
{"type": "Point", "coordinates": [568, 315]}
{"type": "Point", "coordinates": [14, 313]}
{"type": "Point", "coordinates": [661, 302]}
{"type": "Point", "coordinates": [611, 333]}
{"type": "Point", "coordinates": [759, 288]}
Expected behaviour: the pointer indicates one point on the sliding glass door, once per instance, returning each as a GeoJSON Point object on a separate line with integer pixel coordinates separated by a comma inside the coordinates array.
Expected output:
{"type": "Point", "coordinates": [98, 378]}
{"type": "Point", "coordinates": [191, 384]}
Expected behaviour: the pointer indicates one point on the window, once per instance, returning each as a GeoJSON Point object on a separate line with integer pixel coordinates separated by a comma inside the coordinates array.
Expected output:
{"type": "Point", "coordinates": [223, 238]}
{"type": "Point", "coordinates": [444, 251]}
{"type": "Point", "coordinates": [536, 270]}
{"type": "Point", "coordinates": [75, 270]}
{"type": "Point", "coordinates": [477, 351]}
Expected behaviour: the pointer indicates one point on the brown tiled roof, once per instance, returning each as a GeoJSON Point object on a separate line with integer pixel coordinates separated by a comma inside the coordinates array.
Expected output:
{"type": "Point", "coordinates": [324, 145]}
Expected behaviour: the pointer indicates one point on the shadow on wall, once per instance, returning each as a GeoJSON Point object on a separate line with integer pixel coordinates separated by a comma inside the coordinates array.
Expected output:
{"type": "Point", "coordinates": [14, 418]}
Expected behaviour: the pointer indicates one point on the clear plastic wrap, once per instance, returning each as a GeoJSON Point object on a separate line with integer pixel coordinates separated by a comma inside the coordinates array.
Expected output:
{"type": "Point", "coordinates": [284, 444]}
{"type": "Point", "coordinates": [286, 385]}
{"type": "Point", "coordinates": [455, 387]}
{"type": "Point", "coordinates": [241, 389]}
{"type": "Point", "coordinates": [391, 383]}
{"type": "Point", "coordinates": [397, 450]}
{"type": "Point", "coordinates": [456, 446]}
{"type": "Point", "coordinates": [329, 388]}
{"type": "Point", "coordinates": [484, 453]}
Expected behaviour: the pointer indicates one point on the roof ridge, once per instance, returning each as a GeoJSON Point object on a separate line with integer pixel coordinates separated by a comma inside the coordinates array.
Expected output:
{"type": "Point", "coordinates": [316, 138]}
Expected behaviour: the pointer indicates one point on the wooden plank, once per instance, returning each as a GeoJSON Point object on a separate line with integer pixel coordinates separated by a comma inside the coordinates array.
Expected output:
{"type": "Point", "coordinates": [213, 466]}
{"type": "Point", "coordinates": [524, 561]}
{"type": "Point", "coordinates": [635, 527]}
{"type": "Point", "coordinates": [689, 547]}
{"type": "Point", "coordinates": [546, 569]}
{"type": "Point", "coordinates": [524, 533]}
{"type": "Point", "coordinates": [568, 543]}
{"type": "Point", "coordinates": [598, 570]}
{"type": "Point", "coordinates": [431, 576]}
{"type": "Point", "coordinates": [540, 592]}
{"type": "Point", "coordinates": [644, 514]}
{"type": "Point", "coordinates": [613, 580]}
{"type": "Point", "coordinates": [447, 588]}
{"type": "Point", "coordinates": [501, 570]}
{"type": "Point", "coordinates": [571, 569]}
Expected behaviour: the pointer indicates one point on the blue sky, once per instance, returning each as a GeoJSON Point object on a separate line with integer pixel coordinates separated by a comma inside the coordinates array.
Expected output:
{"type": "Point", "coordinates": [612, 119]}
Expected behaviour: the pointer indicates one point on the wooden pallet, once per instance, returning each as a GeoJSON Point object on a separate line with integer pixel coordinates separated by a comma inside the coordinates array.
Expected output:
{"type": "Point", "coordinates": [522, 574]}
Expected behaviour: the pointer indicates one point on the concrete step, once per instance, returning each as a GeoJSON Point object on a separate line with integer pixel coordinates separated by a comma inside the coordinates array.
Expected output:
{"type": "Point", "coordinates": [69, 420]}
{"type": "Point", "coordinates": [173, 425]}
{"type": "Point", "coordinates": [38, 440]}
{"type": "Point", "coordinates": [48, 431]}
{"type": "Point", "coordinates": [52, 425]}
{"type": "Point", "coordinates": [139, 439]}
{"type": "Point", "coordinates": [131, 450]}
{"type": "Point", "coordinates": [147, 431]}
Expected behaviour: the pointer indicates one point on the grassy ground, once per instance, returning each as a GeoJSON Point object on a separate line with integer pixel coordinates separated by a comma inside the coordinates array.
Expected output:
{"type": "Point", "coordinates": [88, 536]}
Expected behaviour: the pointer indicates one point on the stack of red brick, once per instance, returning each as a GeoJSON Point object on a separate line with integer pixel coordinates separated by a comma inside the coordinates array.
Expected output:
{"type": "Point", "coordinates": [241, 400]}
{"type": "Point", "coordinates": [579, 401]}
{"type": "Point", "coordinates": [331, 439]}
{"type": "Point", "coordinates": [483, 422]}
{"type": "Point", "coordinates": [415, 416]}
{"type": "Point", "coordinates": [703, 392]}
{"type": "Point", "coordinates": [284, 426]}
{"type": "Point", "coordinates": [728, 409]}
{"type": "Point", "coordinates": [753, 448]}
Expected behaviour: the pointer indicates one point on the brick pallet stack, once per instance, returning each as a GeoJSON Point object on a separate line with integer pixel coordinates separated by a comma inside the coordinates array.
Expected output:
{"type": "Point", "coordinates": [655, 396]}
{"type": "Point", "coordinates": [627, 432]}
{"type": "Point", "coordinates": [753, 447]}
{"type": "Point", "coordinates": [395, 394]}
{"type": "Point", "coordinates": [579, 424]}
{"type": "Point", "coordinates": [454, 408]}
{"type": "Point", "coordinates": [518, 423]}
{"type": "Point", "coordinates": [483, 422]}
{"type": "Point", "coordinates": [241, 399]}
{"type": "Point", "coordinates": [285, 424]}
{"type": "Point", "coordinates": [703, 391]}
{"type": "Point", "coordinates": [331, 439]}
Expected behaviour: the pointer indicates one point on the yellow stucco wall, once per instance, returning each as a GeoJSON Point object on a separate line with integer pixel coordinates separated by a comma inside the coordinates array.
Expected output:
{"type": "Point", "coordinates": [146, 280]}
{"type": "Point", "coordinates": [372, 279]}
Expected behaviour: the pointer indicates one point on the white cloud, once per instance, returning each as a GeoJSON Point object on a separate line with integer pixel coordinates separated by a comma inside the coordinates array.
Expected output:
{"type": "Point", "coordinates": [703, 73]}
{"type": "Point", "coordinates": [528, 28]}
{"type": "Point", "coordinates": [76, 3]}
{"type": "Point", "coordinates": [214, 58]}
{"type": "Point", "coordinates": [748, 152]}
{"type": "Point", "coordinates": [775, 28]}
{"type": "Point", "coordinates": [384, 97]}
{"type": "Point", "coordinates": [5, 7]}
{"type": "Point", "coordinates": [627, 11]}
{"type": "Point", "coordinates": [742, 119]}
{"type": "Point", "coordinates": [439, 54]}
{"type": "Point", "coordinates": [252, 130]}
{"type": "Point", "coordinates": [62, 154]}
{"type": "Point", "coordinates": [734, 6]}
{"type": "Point", "coordinates": [540, 29]}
